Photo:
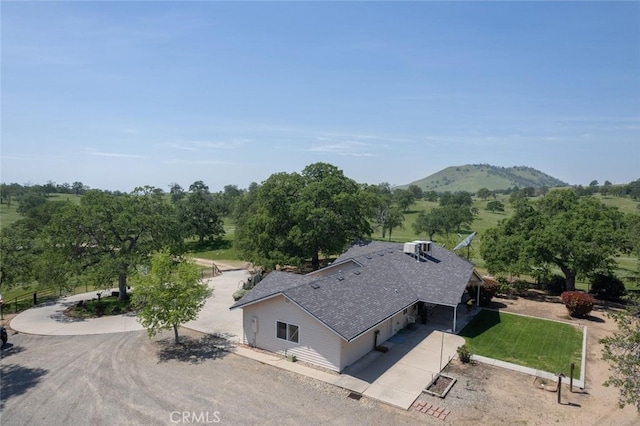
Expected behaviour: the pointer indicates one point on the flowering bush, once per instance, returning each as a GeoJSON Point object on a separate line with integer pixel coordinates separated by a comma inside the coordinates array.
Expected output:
{"type": "Point", "coordinates": [487, 291]}
{"type": "Point", "coordinates": [578, 303]}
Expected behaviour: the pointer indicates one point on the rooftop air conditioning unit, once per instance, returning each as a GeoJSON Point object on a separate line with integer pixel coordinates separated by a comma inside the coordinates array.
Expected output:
{"type": "Point", "coordinates": [411, 248]}
{"type": "Point", "coordinates": [423, 246]}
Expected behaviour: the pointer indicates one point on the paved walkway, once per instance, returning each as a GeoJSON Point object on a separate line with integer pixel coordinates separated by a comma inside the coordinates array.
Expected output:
{"type": "Point", "coordinates": [399, 376]}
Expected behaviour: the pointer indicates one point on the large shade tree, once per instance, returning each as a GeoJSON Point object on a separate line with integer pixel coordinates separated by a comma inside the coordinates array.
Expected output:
{"type": "Point", "coordinates": [293, 217]}
{"type": "Point", "coordinates": [200, 213]}
{"type": "Point", "coordinates": [105, 236]}
{"type": "Point", "coordinates": [25, 258]}
{"type": "Point", "coordinates": [578, 235]}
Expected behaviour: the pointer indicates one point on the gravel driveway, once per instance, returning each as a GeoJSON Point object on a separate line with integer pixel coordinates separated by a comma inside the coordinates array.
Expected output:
{"type": "Point", "coordinates": [125, 378]}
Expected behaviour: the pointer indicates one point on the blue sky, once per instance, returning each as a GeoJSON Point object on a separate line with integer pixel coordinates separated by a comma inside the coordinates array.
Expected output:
{"type": "Point", "coordinates": [123, 94]}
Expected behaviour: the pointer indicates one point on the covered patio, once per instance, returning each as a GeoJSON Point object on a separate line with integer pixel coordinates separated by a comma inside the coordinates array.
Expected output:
{"type": "Point", "coordinates": [415, 356]}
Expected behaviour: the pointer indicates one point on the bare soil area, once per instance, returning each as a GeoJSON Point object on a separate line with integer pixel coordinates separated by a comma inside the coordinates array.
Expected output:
{"type": "Point", "coordinates": [125, 378]}
{"type": "Point", "coordinates": [489, 395]}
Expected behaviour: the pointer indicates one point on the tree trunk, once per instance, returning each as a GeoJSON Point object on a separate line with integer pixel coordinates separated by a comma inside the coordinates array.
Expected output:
{"type": "Point", "coordinates": [175, 333]}
{"type": "Point", "coordinates": [570, 284]}
{"type": "Point", "coordinates": [315, 261]}
{"type": "Point", "coordinates": [122, 287]}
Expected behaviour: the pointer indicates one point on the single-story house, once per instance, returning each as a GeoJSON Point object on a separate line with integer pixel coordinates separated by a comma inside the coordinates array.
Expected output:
{"type": "Point", "coordinates": [334, 316]}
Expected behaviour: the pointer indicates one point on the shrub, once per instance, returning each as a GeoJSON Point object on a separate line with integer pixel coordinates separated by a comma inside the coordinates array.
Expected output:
{"type": "Point", "coordinates": [555, 285]}
{"type": "Point", "coordinates": [504, 286]}
{"type": "Point", "coordinates": [578, 303]}
{"type": "Point", "coordinates": [487, 291]}
{"type": "Point", "coordinates": [521, 286]}
{"type": "Point", "coordinates": [238, 294]}
{"type": "Point", "coordinates": [464, 354]}
{"type": "Point", "coordinates": [607, 287]}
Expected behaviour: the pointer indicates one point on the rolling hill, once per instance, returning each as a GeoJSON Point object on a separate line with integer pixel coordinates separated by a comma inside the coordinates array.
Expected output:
{"type": "Point", "coordinates": [472, 177]}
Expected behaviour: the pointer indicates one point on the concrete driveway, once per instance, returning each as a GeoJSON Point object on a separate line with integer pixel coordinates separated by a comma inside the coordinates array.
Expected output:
{"type": "Point", "coordinates": [215, 317]}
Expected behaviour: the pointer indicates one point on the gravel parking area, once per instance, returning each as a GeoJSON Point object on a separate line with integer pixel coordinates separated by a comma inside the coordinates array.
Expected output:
{"type": "Point", "coordinates": [125, 378]}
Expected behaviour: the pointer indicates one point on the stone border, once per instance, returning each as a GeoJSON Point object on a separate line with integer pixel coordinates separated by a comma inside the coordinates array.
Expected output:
{"type": "Point", "coordinates": [447, 389]}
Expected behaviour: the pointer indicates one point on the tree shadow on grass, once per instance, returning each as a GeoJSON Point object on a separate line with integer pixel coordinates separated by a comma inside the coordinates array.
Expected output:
{"type": "Point", "coordinates": [16, 380]}
{"type": "Point", "coordinates": [481, 323]}
{"type": "Point", "coordinates": [195, 350]}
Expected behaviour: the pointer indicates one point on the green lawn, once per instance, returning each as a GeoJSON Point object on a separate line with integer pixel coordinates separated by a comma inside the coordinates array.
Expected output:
{"type": "Point", "coordinates": [531, 342]}
{"type": "Point", "coordinates": [222, 249]}
{"type": "Point", "coordinates": [8, 215]}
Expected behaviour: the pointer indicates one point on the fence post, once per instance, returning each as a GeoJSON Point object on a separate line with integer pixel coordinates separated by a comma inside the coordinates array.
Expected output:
{"type": "Point", "coordinates": [573, 365]}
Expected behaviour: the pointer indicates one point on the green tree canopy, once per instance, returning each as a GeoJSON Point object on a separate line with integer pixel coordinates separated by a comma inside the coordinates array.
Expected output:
{"type": "Point", "coordinates": [484, 193]}
{"type": "Point", "coordinates": [622, 351]}
{"type": "Point", "coordinates": [403, 198]}
{"type": "Point", "coordinates": [294, 216]}
{"type": "Point", "coordinates": [25, 258]}
{"type": "Point", "coordinates": [169, 294]}
{"type": "Point", "coordinates": [106, 236]}
{"type": "Point", "coordinates": [495, 206]}
{"type": "Point", "coordinates": [578, 235]}
{"type": "Point", "coordinates": [429, 223]}
{"type": "Point", "coordinates": [200, 213]}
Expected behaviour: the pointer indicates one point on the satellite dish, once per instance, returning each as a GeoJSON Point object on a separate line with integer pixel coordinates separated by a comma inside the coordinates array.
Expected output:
{"type": "Point", "coordinates": [466, 243]}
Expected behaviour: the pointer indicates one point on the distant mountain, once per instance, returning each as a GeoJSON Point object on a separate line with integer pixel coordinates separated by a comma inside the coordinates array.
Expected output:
{"type": "Point", "coordinates": [473, 177]}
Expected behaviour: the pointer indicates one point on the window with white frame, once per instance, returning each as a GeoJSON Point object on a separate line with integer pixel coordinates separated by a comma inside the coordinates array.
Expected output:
{"type": "Point", "coordinates": [287, 331]}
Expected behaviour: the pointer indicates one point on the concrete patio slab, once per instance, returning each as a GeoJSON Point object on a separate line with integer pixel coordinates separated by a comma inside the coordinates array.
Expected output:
{"type": "Point", "coordinates": [399, 376]}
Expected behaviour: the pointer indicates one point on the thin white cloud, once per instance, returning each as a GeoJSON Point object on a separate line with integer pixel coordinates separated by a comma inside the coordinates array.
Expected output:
{"type": "Point", "coordinates": [114, 155]}
{"type": "Point", "coordinates": [203, 162]}
{"type": "Point", "coordinates": [348, 148]}
{"type": "Point", "coordinates": [208, 145]}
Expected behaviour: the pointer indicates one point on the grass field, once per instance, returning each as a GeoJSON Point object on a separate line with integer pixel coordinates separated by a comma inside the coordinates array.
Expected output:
{"type": "Point", "coordinates": [8, 215]}
{"type": "Point", "coordinates": [531, 342]}
{"type": "Point", "coordinates": [222, 249]}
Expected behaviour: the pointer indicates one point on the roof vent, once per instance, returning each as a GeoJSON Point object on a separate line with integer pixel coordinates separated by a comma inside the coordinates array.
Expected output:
{"type": "Point", "coordinates": [340, 278]}
{"type": "Point", "coordinates": [380, 253]}
{"type": "Point", "coordinates": [315, 285]}
{"type": "Point", "coordinates": [356, 272]}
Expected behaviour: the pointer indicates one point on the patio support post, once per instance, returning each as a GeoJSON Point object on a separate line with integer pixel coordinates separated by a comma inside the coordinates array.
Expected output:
{"type": "Point", "coordinates": [478, 297]}
{"type": "Point", "coordinates": [455, 314]}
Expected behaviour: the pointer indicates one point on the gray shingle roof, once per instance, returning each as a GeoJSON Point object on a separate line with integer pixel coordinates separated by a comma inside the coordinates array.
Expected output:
{"type": "Point", "coordinates": [388, 281]}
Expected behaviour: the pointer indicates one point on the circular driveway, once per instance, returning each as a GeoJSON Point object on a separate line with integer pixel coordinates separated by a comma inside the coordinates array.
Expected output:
{"type": "Point", "coordinates": [215, 317]}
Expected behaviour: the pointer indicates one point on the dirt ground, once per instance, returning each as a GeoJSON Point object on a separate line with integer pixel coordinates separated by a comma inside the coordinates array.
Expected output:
{"type": "Point", "coordinates": [61, 379]}
{"type": "Point", "coordinates": [489, 395]}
